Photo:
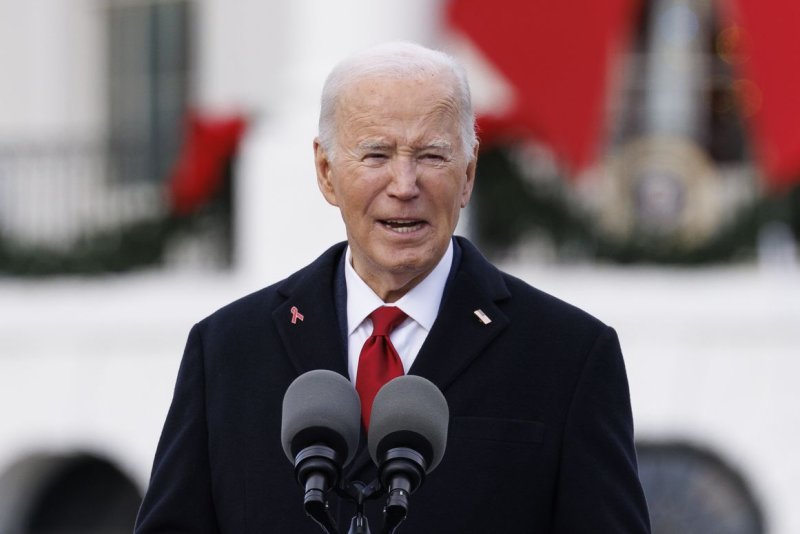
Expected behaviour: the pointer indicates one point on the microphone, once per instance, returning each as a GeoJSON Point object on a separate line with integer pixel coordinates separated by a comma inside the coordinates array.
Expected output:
{"type": "Point", "coordinates": [407, 438]}
{"type": "Point", "coordinates": [320, 426]}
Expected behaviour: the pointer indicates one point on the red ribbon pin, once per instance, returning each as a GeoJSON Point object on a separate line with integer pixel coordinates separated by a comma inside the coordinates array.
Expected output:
{"type": "Point", "coordinates": [296, 315]}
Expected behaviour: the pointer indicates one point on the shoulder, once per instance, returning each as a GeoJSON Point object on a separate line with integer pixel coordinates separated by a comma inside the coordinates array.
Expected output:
{"type": "Point", "coordinates": [521, 300]}
{"type": "Point", "coordinates": [547, 308]}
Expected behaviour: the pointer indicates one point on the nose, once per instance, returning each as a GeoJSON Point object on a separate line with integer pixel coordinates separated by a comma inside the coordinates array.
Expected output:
{"type": "Point", "coordinates": [403, 180]}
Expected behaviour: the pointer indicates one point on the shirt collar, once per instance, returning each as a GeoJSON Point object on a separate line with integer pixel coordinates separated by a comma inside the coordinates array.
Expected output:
{"type": "Point", "coordinates": [421, 303]}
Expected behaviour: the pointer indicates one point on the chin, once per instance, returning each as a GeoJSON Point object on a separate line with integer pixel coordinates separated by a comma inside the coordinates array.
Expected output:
{"type": "Point", "coordinates": [417, 258]}
{"type": "Point", "coordinates": [397, 263]}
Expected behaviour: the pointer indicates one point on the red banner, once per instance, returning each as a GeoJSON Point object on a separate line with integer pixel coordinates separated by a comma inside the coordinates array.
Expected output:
{"type": "Point", "coordinates": [208, 144]}
{"type": "Point", "coordinates": [556, 54]}
{"type": "Point", "coordinates": [766, 38]}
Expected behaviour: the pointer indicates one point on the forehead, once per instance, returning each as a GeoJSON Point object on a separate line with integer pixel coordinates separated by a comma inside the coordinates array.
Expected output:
{"type": "Point", "coordinates": [421, 105]}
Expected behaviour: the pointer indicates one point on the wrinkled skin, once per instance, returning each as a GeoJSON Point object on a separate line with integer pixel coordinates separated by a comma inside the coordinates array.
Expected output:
{"type": "Point", "coordinates": [399, 176]}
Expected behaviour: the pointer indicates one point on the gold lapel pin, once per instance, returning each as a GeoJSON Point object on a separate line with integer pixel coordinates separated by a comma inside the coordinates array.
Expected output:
{"type": "Point", "coordinates": [482, 317]}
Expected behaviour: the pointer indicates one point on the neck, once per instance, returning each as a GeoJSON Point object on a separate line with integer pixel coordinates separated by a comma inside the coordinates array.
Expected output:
{"type": "Point", "coordinates": [390, 285]}
{"type": "Point", "coordinates": [392, 288]}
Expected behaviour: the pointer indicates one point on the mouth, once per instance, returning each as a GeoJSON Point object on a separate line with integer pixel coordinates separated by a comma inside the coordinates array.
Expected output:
{"type": "Point", "coordinates": [402, 226]}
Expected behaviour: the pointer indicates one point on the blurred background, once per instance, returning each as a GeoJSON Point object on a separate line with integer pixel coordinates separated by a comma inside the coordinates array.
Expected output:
{"type": "Point", "coordinates": [639, 158]}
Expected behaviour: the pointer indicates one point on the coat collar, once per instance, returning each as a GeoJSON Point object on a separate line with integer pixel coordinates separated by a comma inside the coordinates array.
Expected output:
{"type": "Point", "coordinates": [457, 336]}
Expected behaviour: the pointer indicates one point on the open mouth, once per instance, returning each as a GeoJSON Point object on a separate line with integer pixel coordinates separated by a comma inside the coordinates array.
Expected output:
{"type": "Point", "coordinates": [402, 226]}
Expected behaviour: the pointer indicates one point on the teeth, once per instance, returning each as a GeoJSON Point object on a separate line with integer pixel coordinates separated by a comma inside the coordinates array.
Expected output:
{"type": "Point", "coordinates": [402, 227]}
{"type": "Point", "coordinates": [405, 229]}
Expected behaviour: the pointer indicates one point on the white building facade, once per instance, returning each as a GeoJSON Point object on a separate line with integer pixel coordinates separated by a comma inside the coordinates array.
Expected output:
{"type": "Point", "coordinates": [87, 364]}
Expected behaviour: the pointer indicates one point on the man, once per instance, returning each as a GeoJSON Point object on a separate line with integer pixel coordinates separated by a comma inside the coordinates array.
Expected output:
{"type": "Point", "coordinates": [540, 438]}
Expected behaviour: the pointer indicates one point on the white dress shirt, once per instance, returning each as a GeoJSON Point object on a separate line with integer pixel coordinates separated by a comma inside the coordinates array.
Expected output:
{"type": "Point", "coordinates": [421, 304]}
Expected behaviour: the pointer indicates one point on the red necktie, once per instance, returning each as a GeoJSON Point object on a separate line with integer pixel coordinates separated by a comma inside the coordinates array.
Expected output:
{"type": "Point", "coordinates": [378, 362]}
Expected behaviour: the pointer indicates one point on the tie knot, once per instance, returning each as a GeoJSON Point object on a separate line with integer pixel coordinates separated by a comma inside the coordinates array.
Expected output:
{"type": "Point", "coordinates": [385, 319]}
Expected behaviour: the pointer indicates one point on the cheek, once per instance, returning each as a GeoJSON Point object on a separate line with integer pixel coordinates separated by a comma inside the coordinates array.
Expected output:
{"type": "Point", "coordinates": [354, 203]}
{"type": "Point", "coordinates": [453, 196]}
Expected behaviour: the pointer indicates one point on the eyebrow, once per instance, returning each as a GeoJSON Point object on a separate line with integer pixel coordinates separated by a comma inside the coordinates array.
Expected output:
{"type": "Point", "coordinates": [373, 144]}
{"type": "Point", "coordinates": [376, 144]}
{"type": "Point", "coordinates": [439, 144]}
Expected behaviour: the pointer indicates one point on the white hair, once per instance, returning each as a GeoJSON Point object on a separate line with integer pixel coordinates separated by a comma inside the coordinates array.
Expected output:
{"type": "Point", "coordinates": [398, 60]}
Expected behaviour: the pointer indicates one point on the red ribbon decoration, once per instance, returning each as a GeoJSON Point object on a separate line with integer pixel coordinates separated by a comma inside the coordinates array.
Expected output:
{"type": "Point", "coordinates": [296, 315]}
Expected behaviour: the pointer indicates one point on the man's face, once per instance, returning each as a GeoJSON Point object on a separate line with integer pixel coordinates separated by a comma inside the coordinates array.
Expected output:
{"type": "Point", "coordinates": [399, 176]}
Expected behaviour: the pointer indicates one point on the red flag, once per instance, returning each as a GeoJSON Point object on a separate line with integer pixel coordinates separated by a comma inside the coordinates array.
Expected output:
{"type": "Point", "coordinates": [556, 55]}
{"type": "Point", "coordinates": [764, 35]}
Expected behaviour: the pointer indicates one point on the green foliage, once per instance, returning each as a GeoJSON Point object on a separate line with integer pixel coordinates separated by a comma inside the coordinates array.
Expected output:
{"type": "Point", "coordinates": [507, 209]}
{"type": "Point", "coordinates": [138, 245]}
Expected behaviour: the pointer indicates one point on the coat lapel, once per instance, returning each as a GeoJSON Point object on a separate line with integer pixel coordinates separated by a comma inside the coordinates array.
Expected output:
{"type": "Point", "coordinates": [315, 341]}
{"type": "Point", "coordinates": [459, 335]}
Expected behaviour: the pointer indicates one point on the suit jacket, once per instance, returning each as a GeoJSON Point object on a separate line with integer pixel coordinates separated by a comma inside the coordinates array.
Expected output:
{"type": "Point", "coordinates": [540, 437]}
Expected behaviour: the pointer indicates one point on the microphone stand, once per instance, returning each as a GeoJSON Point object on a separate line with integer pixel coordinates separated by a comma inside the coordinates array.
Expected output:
{"type": "Point", "coordinates": [316, 506]}
{"type": "Point", "coordinates": [316, 468]}
{"type": "Point", "coordinates": [358, 493]}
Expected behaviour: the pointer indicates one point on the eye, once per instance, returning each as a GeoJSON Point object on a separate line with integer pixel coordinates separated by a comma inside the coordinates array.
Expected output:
{"type": "Point", "coordinates": [375, 157]}
{"type": "Point", "coordinates": [432, 157]}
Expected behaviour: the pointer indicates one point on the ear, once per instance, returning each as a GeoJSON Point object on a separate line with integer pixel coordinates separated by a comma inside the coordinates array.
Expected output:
{"type": "Point", "coordinates": [323, 165]}
{"type": "Point", "coordinates": [472, 165]}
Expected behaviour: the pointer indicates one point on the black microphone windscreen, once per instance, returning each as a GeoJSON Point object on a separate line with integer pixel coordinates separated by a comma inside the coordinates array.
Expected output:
{"type": "Point", "coordinates": [321, 407]}
{"type": "Point", "coordinates": [409, 411]}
